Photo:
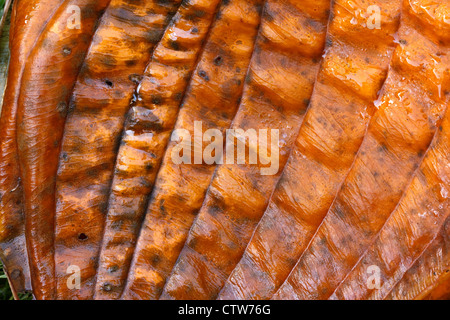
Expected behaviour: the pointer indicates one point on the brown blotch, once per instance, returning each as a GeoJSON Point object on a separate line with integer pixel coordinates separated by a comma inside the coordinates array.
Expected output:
{"type": "Point", "coordinates": [108, 61]}
{"type": "Point", "coordinates": [131, 63]}
{"type": "Point", "coordinates": [157, 99]}
{"type": "Point", "coordinates": [155, 259]}
{"type": "Point", "coordinates": [218, 61]}
{"type": "Point", "coordinates": [193, 243]}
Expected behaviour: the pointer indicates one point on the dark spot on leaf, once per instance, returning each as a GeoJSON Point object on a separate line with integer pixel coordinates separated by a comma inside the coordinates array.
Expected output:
{"type": "Point", "coordinates": [82, 237]}
{"type": "Point", "coordinates": [174, 45]}
{"type": "Point", "coordinates": [156, 99]}
{"type": "Point", "coordinates": [108, 61]}
{"type": "Point", "coordinates": [193, 243]}
{"type": "Point", "coordinates": [382, 148]}
{"type": "Point", "coordinates": [131, 63]}
{"type": "Point", "coordinates": [155, 259]}
{"type": "Point", "coordinates": [200, 13]}
{"type": "Point", "coordinates": [204, 75]}
{"type": "Point", "coordinates": [153, 36]}
{"type": "Point", "coordinates": [218, 61]}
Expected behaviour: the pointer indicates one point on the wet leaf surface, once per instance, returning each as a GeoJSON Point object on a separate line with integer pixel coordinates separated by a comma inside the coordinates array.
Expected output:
{"type": "Point", "coordinates": [92, 120]}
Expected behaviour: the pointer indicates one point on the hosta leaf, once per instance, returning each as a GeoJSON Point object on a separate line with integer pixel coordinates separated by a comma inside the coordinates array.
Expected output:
{"type": "Point", "coordinates": [102, 95]}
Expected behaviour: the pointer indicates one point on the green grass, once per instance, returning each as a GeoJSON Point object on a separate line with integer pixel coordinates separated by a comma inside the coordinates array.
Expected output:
{"type": "Point", "coordinates": [5, 291]}
{"type": "Point", "coordinates": [2, 6]}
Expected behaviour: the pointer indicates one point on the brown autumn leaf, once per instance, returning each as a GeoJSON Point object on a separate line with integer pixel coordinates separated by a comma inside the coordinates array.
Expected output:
{"type": "Point", "coordinates": [90, 124]}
